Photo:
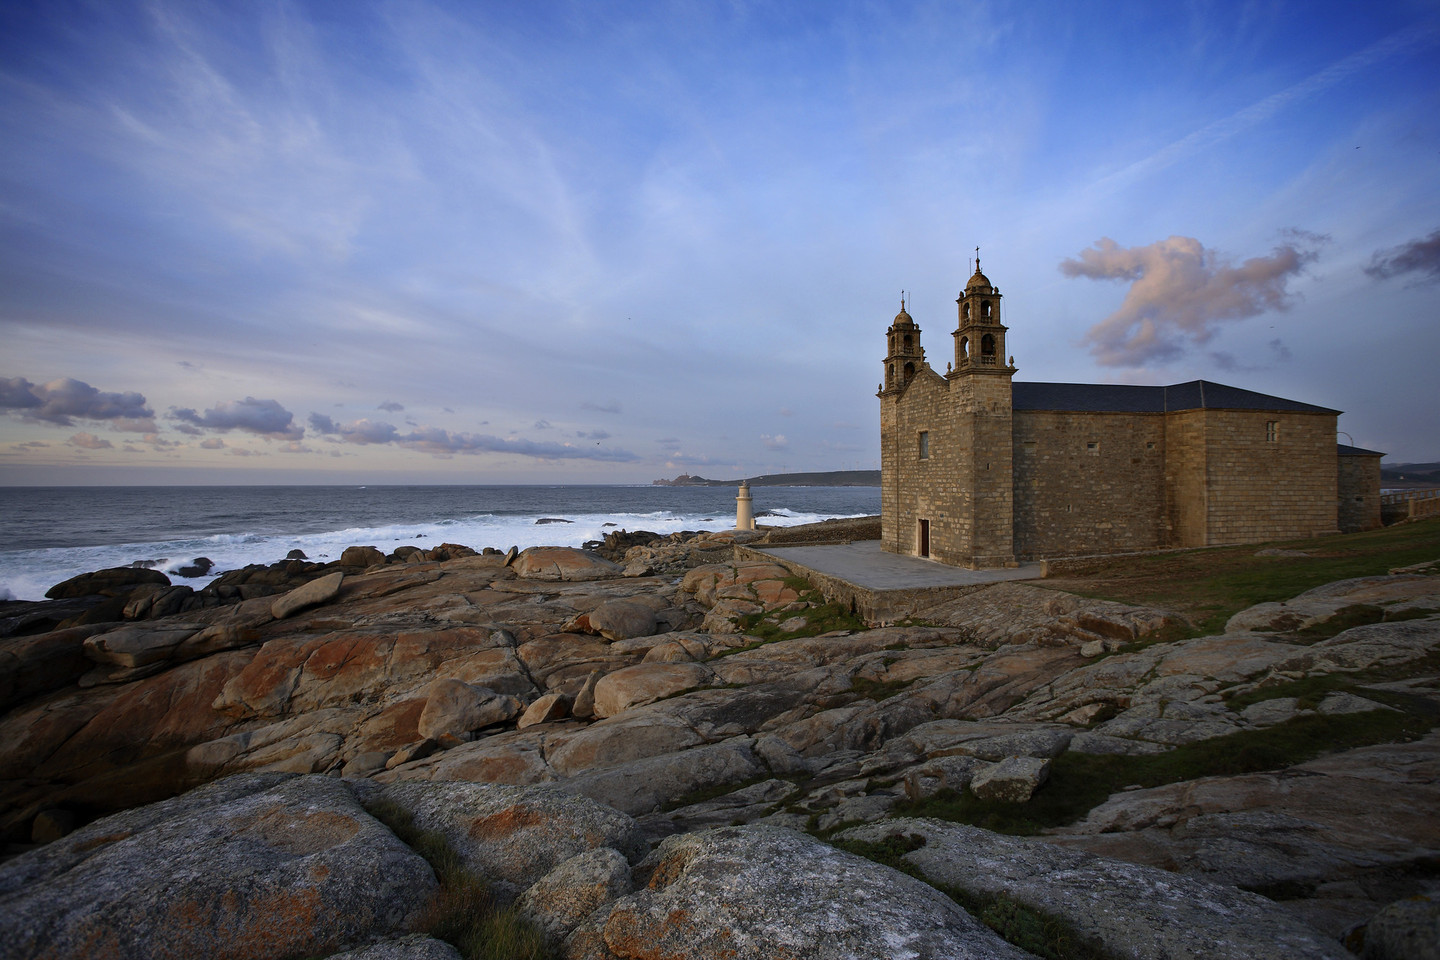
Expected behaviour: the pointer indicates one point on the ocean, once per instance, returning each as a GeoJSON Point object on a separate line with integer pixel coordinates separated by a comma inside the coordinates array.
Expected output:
{"type": "Point", "coordinates": [49, 534]}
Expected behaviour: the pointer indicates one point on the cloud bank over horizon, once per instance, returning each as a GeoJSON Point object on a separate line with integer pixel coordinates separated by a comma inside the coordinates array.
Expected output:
{"type": "Point", "coordinates": [442, 443]}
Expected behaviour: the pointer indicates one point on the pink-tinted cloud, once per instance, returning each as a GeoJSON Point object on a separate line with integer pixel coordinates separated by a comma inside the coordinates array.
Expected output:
{"type": "Point", "coordinates": [1180, 293]}
{"type": "Point", "coordinates": [88, 441]}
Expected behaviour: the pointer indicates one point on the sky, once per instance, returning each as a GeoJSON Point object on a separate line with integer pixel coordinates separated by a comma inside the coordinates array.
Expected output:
{"type": "Point", "coordinates": [567, 242]}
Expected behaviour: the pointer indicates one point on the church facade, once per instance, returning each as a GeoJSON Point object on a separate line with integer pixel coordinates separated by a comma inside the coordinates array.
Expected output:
{"type": "Point", "coordinates": [980, 471]}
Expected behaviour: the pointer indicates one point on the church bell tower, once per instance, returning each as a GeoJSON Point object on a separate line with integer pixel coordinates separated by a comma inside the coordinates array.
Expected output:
{"type": "Point", "coordinates": [903, 354]}
{"type": "Point", "coordinates": [980, 337]}
{"type": "Point", "coordinates": [981, 401]}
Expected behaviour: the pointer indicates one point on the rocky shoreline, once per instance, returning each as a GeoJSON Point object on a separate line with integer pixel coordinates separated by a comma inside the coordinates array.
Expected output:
{"type": "Point", "coordinates": [636, 745]}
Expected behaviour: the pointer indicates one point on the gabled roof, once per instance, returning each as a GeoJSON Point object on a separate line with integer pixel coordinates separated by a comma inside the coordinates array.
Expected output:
{"type": "Point", "coordinates": [1122, 398]}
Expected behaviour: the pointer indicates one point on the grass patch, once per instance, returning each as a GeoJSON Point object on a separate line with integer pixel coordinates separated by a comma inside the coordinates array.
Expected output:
{"type": "Point", "coordinates": [1307, 691]}
{"type": "Point", "coordinates": [1209, 585]}
{"type": "Point", "coordinates": [821, 618]}
{"type": "Point", "coordinates": [463, 912]}
{"type": "Point", "coordinates": [1080, 782]}
{"type": "Point", "coordinates": [1357, 615]}
{"type": "Point", "coordinates": [1042, 934]}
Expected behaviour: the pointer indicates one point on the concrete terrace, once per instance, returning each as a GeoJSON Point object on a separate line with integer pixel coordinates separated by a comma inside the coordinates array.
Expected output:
{"type": "Point", "coordinates": [882, 586]}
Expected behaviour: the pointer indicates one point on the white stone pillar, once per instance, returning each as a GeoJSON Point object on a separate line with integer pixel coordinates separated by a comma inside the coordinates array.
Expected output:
{"type": "Point", "coordinates": [744, 509]}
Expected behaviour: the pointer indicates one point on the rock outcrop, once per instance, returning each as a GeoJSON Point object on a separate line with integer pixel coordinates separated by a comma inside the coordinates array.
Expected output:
{"type": "Point", "coordinates": [555, 714]}
{"type": "Point", "coordinates": [1129, 910]}
{"type": "Point", "coordinates": [253, 866]}
{"type": "Point", "coordinates": [763, 892]}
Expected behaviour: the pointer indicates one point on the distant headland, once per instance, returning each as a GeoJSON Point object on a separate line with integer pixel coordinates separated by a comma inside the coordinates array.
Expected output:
{"type": "Point", "coordinates": [831, 478]}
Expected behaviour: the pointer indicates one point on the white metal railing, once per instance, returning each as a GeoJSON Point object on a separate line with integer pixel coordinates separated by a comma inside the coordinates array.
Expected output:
{"type": "Point", "coordinates": [1401, 496]}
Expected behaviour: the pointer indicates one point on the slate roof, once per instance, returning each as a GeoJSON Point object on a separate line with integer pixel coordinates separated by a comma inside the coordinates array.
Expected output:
{"type": "Point", "coordinates": [1123, 398]}
{"type": "Point", "coordinates": [1345, 450]}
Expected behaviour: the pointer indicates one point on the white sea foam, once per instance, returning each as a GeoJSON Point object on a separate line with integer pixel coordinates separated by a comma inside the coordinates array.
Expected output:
{"type": "Point", "coordinates": [27, 574]}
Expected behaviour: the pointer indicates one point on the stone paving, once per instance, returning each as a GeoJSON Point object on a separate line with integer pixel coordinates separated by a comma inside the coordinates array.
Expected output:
{"type": "Point", "coordinates": [864, 564]}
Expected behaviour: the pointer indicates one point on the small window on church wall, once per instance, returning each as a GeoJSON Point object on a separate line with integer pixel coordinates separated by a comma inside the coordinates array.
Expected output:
{"type": "Point", "coordinates": [965, 348]}
{"type": "Point", "coordinates": [924, 444]}
{"type": "Point", "coordinates": [1272, 430]}
{"type": "Point", "coordinates": [965, 311]}
{"type": "Point", "coordinates": [907, 343]}
{"type": "Point", "coordinates": [909, 372]}
{"type": "Point", "coordinates": [987, 345]}
{"type": "Point", "coordinates": [1149, 444]}
{"type": "Point", "coordinates": [1092, 447]}
{"type": "Point", "coordinates": [985, 308]}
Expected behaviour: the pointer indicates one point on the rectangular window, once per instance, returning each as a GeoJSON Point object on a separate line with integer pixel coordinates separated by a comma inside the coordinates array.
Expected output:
{"type": "Point", "coordinates": [1093, 448]}
{"type": "Point", "coordinates": [1272, 430]}
{"type": "Point", "coordinates": [924, 444]}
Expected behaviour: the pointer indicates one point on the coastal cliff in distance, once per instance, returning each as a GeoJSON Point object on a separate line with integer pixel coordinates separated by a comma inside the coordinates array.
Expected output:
{"type": "Point", "coordinates": [829, 478]}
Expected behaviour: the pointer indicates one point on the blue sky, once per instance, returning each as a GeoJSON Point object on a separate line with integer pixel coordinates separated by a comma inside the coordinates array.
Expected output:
{"type": "Point", "coordinates": [576, 242]}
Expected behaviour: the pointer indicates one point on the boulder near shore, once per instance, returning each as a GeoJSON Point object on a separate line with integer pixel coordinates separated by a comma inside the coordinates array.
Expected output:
{"type": "Point", "coordinates": [660, 749]}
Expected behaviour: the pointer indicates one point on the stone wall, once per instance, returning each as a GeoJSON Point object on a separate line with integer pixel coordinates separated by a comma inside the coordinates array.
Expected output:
{"type": "Point", "coordinates": [839, 530]}
{"type": "Point", "coordinates": [992, 523]}
{"type": "Point", "coordinates": [1358, 490]}
{"type": "Point", "coordinates": [930, 488]}
{"type": "Point", "coordinates": [1088, 483]}
{"type": "Point", "coordinates": [875, 607]}
{"type": "Point", "coordinates": [1260, 488]}
{"type": "Point", "coordinates": [960, 487]}
{"type": "Point", "coordinates": [889, 475]}
{"type": "Point", "coordinates": [989, 486]}
{"type": "Point", "coordinates": [1185, 465]}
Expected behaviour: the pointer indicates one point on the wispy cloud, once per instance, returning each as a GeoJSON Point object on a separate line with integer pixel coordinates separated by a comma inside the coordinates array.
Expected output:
{"type": "Point", "coordinates": [440, 442]}
{"type": "Point", "coordinates": [1180, 291]}
{"type": "Point", "coordinates": [1400, 43]}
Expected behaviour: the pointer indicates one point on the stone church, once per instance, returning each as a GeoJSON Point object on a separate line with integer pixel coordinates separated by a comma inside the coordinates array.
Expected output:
{"type": "Point", "coordinates": [978, 470]}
